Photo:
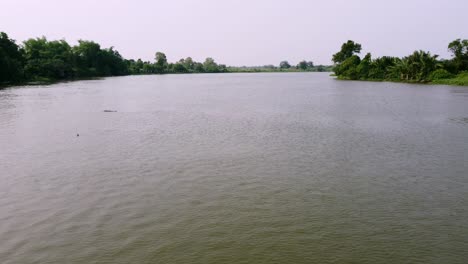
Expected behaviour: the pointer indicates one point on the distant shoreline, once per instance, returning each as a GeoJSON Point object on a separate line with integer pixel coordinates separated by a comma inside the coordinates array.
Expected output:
{"type": "Point", "coordinates": [43, 61]}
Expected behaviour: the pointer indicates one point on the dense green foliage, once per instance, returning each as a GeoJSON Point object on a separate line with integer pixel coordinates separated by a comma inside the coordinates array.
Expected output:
{"type": "Point", "coordinates": [11, 60]}
{"type": "Point", "coordinates": [305, 65]}
{"type": "Point", "coordinates": [39, 59]}
{"type": "Point", "coordinates": [459, 79]}
{"type": "Point", "coordinates": [55, 60]}
{"type": "Point", "coordinates": [459, 49]}
{"type": "Point", "coordinates": [285, 65]}
{"type": "Point", "coordinates": [348, 49]}
{"type": "Point", "coordinates": [420, 66]}
{"type": "Point", "coordinates": [42, 60]}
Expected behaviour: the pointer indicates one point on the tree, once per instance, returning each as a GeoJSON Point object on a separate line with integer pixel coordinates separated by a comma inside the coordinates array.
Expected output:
{"type": "Point", "coordinates": [86, 58]}
{"type": "Point", "coordinates": [91, 60]}
{"type": "Point", "coordinates": [11, 60]}
{"type": "Point", "coordinates": [284, 65]}
{"type": "Point", "coordinates": [210, 65]}
{"type": "Point", "coordinates": [161, 62]}
{"type": "Point", "coordinates": [380, 68]}
{"type": "Point", "coordinates": [421, 65]}
{"type": "Point", "coordinates": [305, 65]}
{"type": "Point", "coordinates": [48, 59]}
{"type": "Point", "coordinates": [135, 67]}
{"type": "Point", "coordinates": [418, 66]}
{"type": "Point", "coordinates": [179, 68]}
{"type": "Point", "coordinates": [348, 49]}
{"type": "Point", "coordinates": [111, 63]}
{"type": "Point", "coordinates": [198, 67]}
{"type": "Point", "coordinates": [222, 68]}
{"type": "Point", "coordinates": [188, 63]}
{"type": "Point", "coordinates": [401, 69]}
{"type": "Point", "coordinates": [459, 49]}
{"type": "Point", "coordinates": [364, 66]}
{"type": "Point", "coordinates": [302, 65]}
{"type": "Point", "coordinates": [41, 59]}
{"type": "Point", "coordinates": [348, 68]}
{"type": "Point", "coordinates": [148, 68]}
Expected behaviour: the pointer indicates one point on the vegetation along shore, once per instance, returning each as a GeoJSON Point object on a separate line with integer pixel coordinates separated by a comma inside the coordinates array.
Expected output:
{"type": "Point", "coordinates": [39, 60]}
{"type": "Point", "coordinates": [419, 67]}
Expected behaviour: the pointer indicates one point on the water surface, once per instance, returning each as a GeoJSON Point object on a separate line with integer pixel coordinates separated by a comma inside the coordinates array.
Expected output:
{"type": "Point", "coordinates": [233, 168]}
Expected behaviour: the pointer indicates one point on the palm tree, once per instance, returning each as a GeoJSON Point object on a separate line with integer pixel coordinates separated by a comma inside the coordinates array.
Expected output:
{"type": "Point", "coordinates": [421, 64]}
{"type": "Point", "coordinates": [401, 69]}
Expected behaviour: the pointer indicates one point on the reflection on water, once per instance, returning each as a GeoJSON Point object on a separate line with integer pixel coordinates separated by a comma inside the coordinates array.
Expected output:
{"type": "Point", "coordinates": [460, 120]}
{"type": "Point", "coordinates": [461, 91]}
{"type": "Point", "coordinates": [233, 168]}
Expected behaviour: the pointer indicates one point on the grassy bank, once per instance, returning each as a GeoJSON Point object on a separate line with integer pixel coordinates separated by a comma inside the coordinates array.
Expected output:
{"type": "Point", "coordinates": [459, 80]}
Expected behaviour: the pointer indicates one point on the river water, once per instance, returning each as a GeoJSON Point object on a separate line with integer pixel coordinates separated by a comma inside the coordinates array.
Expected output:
{"type": "Point", "coordinates": [233, 168]}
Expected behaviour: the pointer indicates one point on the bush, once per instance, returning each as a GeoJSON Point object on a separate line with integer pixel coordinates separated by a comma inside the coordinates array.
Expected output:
{"type": "Point", "coordinates": [460, 79]}
{"type": "Point", "coordinates": [440, 74]}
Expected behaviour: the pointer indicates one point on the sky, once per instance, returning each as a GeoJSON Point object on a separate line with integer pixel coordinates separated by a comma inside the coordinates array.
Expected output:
{"type": "Point", "coordinates": [242, 32]}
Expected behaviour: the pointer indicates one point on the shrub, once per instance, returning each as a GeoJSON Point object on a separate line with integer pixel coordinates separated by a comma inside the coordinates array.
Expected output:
{"type": "Point", "coordinates": [440, 74]}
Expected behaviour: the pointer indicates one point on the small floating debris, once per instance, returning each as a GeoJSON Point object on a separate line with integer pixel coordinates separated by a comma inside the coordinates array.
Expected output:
{"type": "Point", "coordinates": [110, 111]}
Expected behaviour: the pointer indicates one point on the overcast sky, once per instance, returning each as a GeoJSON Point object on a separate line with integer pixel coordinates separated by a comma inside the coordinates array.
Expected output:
{"type": "Point", "coordinates": [243, 32]}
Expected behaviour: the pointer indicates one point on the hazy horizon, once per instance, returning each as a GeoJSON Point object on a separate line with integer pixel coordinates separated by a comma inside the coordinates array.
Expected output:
{"type": "Point", "coordinates": [242, 32]}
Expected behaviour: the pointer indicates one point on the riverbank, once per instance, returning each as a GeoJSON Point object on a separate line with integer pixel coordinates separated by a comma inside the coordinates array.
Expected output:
{"type": "Point", "coordinates": [418, 67]}
{"type": "Point", "coordinates": [459, 80]}
{"type": "Point", "coordinates": [47, 81]}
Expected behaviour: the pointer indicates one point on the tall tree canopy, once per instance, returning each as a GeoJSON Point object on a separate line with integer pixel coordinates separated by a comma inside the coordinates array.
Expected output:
{"type": "Point", "coordinates": [284, 65]}
{"type": "Point", "coordinates": [161, 62]}
{"type": "Point", "coordinates": [11, 60]}
{"type": "Point", "coordinates": [348, 49]}
{"type": "Point", "coordinates": [305, 65]}
{"type": "Point", "coordinates": [459, 49]}
{"type": "Point", "coordinates": [49, 59]}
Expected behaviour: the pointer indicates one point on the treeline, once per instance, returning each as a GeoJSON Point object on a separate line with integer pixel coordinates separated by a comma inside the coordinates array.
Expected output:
{"type": "Point", "coordinates": [284, 66]}
{"type": "Point", "coordinates": [161, 66]}
{"type": "Point", "coordinates": [39, 59]}
{"type": "Point", "coordinates": [420, 66]}
{"type": "Point", "coordinates": [303, 66]}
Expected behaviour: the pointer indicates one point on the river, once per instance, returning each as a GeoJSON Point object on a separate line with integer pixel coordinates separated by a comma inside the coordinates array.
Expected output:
{"type": "Point", "coordinates": [233, 168]}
